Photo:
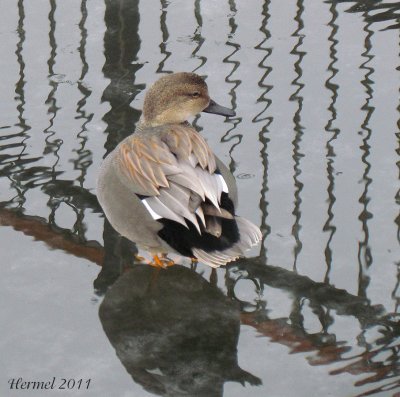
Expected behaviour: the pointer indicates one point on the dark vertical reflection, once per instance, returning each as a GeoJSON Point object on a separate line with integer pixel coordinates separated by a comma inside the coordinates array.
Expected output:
{"type": "Point", "coordinates": [297, 155]}
{"type": "Point", "coordinates": [364, 251]}
{"type": "Point", "coordinates": [165, 36]}
{"type": "Point", "coordinates": [82, 43]}
{"type": "Point", "coordinates": [228, 137]}
{"type": "Point", "coordinates": [121, 48]}
{"type": "Point", "coordinates": [52, 144]}
{"type": "Point", "coordinates": [267, 120]}
{"type": "Point", "coordinates": [397, 220]}
{"type": "Point", "coordinates": [18, 163]}
{"type": "Point", "coordinates": [396, 294]}
{"type": "Point", "coordinates": [198, 37]}
{"type": "Point", "coordinates": [396, 291]}
{"type": "Point", "coordinates": [330, 128]}
{"type": "Point", "coordinates": [19, 89]}
{"type": "Point", "coordinates": [84, 159]}
{"type": "Point", "coordinates": [8, 161]}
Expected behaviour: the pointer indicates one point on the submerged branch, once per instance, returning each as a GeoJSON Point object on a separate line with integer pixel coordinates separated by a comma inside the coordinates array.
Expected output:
{"type": "Point", "coordinates": [55, 237]}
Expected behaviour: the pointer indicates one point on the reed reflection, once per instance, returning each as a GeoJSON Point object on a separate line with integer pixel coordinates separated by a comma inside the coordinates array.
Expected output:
{"type": "Point", "coordinates": [197, 36]}
{"type": "Point", "coordinates": [121, 47]}
{"type": "Point", "coordinates": [165, 312]}
{"type": "Point", "coordinates": [262, 117]}
{"type": "Point", "coordinates": [165, 36]}
{"type": "Point", "coordinates": [13, 162]}
{"type": "Point", "coordinates": [231, 134]}
{"type": "Point", "coordinates": [299, 129]}
{"type": "Point", "coordinates": [375, 11]}
{"type": "Point", "coordinates": [333, 132]}
{"type": "Point", "coordinates": [365, 255]}
{"type": "Point", "coordinates": [379, 331]}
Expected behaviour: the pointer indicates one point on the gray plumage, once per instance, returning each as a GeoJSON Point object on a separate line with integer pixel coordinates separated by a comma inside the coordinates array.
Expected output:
{"type": "Point", "coordinates": [166, 170]}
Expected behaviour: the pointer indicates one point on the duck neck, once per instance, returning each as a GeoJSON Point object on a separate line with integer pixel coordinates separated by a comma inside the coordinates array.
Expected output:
{"type": "Point", "coordinates": [159, 121]}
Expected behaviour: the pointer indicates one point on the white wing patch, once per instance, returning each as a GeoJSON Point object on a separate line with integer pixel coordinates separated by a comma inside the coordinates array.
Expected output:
{"type": "Point", "coordinates": [174, 201]}
{"type": "Point", "coordinates": [222, 183]}
{"type": "Point", "coordinates": [153, 214]}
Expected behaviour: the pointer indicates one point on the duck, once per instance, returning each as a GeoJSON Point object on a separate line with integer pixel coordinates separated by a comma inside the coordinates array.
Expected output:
{"type": "Point", "coordinates": [163, 188]}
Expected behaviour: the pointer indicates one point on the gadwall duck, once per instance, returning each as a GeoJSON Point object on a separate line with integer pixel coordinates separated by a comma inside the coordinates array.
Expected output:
{"type": "Point", "coordinates": [164, 189]}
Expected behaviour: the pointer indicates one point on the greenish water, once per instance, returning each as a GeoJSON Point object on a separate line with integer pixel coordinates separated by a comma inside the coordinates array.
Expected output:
{"type": "Point", "coordinates": [315, 151]}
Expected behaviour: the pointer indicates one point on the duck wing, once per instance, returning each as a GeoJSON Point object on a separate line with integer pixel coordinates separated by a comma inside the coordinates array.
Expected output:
{"type": "Point", "coordinates": [174, 172]}
{"type": "Point", "coordinates": [180, 182]}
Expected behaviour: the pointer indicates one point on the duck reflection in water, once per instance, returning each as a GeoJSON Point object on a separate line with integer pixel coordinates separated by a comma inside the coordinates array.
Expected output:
{"type": "Point", "coordinates": [175, 333]}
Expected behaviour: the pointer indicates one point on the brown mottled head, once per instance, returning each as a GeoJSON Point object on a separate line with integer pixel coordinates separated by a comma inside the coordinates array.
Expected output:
{"type": "Point", "coordinates": [176, 97]}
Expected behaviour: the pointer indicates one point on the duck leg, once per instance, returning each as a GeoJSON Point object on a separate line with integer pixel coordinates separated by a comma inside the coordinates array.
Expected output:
{"type": "Point", "coordinates": [161, 262]}
{"type": "Point", "coordinates": [193, 263]}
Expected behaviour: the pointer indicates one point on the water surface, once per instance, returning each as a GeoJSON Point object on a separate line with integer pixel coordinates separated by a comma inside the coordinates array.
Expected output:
{"type": "Point", "coordinates": [315, 151]}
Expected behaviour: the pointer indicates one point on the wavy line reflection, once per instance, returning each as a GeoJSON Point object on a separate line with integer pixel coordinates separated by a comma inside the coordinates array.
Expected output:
{"type": "Point", "coordinates": [204, 314]}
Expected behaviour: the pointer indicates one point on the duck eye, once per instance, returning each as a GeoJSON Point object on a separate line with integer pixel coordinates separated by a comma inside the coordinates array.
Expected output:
{"type": "Point", "coordinates": [195, 94]}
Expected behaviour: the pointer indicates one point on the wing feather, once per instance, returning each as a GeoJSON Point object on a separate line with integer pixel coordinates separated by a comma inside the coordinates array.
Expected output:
{"type": "Point", "coordinates": [200, 151]}
{"type": "Point", "coordinates": [164, 211]}
{"type": "Point", "coordinates": [171, 164]}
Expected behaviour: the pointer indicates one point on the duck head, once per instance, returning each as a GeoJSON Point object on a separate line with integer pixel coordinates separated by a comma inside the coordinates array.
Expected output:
{"type": "Point", "coordinates": [176, 97]}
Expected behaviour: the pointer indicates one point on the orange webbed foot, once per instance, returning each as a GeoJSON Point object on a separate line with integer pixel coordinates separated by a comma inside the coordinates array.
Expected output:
{"type": "Point", "coordinates": [161, 263]}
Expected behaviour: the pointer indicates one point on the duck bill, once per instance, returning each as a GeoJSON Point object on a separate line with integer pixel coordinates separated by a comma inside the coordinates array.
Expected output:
{"type": "Point", "coordinates": [213, 107]}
